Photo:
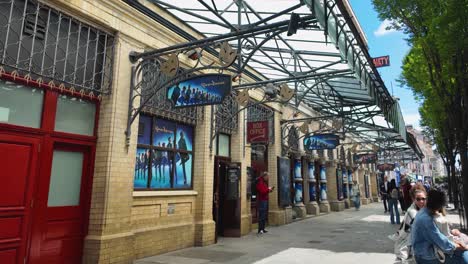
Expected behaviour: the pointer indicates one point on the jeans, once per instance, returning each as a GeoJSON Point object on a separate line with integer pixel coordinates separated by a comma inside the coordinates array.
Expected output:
{"type": "Point", "coordinates": [262, 214]}
{"type": "Point", "coordinates": [393, 208]}
{"type": "Point", "coordinates": [357, 201]}
{"type": "Point", "coordinates": [459, 257]}
{"type": "Point", "coordinates": [384, 200]}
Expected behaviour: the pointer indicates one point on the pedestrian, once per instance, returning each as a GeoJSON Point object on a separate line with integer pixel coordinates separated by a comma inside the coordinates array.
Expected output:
{"type": "Point", "coordinates": [405, 190]}
{"type": "Point", "coordinates": [262, 191]}
{"type": "Point", "coordinates": [402, 237]}
{"type": "Point", "coordinates": [426, 238]}
{"type": "Point", "coordinates": [394, 193]}
{"type": "Point", "coordinates": [356, 195]}
{"type": "Point", "coordinates": [384, 192]}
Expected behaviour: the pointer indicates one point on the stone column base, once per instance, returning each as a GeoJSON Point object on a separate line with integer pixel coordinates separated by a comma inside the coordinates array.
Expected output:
{"type": "Point", "coordinates": [364, 201]}
{"type": "Point", "coordinates": [205, 233]}
{"type": "Point", "coordinates": [347, 204]}
{"type": "Point", "coordinates": [376, 199]}
{"type": "Point", "coordinates": [313, 208]}
{"type": "Point", "coordinates": [280, 216]}
{"type": "Point", "coordinates": [337, 206]}
{"type": "Point", "coordinates": [324, 207]}
{"type": "Point", "coordinates": [300, 210]}
{"type": "Point", "coordinates": [246, 224]}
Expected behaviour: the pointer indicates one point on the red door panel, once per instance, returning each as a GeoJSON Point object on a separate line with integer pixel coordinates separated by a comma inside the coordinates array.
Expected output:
{"type": "Point", "coordinates": [18, 157]}
{"type": "Point", "coordinates": [63, 228]}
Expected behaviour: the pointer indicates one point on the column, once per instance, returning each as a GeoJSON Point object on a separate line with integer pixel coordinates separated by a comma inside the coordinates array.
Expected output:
{"type": "Point", "coordinates": [240, 153]}
{"type": "Point", "coordinates": [311, 194]}
{"type": "Point", "coordinates": [361, 180]}
{"type": "Point", "coordinates": [335, 190]}
{"type": "Point", "coordinates": [298, 207]}
{"type": "Point", "coordinates": [276, 214]}
{"type": "Point", "coordinates": [110, 229]}
{"type": "Point", "coordinates": [324, 205]}
{"type": "Point", "coordinates": [350, 184]}
{"type": "Point", "coordinates": [374, 183]}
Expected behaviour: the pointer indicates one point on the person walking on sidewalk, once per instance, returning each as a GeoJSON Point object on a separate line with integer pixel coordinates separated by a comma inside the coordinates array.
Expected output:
{"type": "Point", "coordinates": [263, 190]}
{"type": "Point", "coordinates": [394, 194]}
{"type": "Point", "coordinates": [384, 192]}
{"type": "Point", "coordinates": [356, 195]}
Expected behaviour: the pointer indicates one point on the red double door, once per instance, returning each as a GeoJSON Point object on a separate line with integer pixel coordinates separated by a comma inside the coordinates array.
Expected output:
{"type": "Point", "coordinates": [44, 198]}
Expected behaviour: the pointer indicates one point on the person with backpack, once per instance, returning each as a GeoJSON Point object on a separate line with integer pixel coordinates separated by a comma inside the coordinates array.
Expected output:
{"type": "Point", "coordinates": [393, 202]}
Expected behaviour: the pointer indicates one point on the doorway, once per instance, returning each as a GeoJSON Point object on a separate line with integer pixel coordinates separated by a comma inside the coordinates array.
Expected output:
{"type": "Point", "coordinates": [259, 163]}
{"type": "Point", "coordinates": [226, 201]}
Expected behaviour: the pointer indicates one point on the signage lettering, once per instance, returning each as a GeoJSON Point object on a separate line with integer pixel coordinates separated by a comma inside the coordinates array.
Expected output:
{"type": "Point", "coordinates": [257, 132]}
{"type": "Point", "coordinates": [381, 61]}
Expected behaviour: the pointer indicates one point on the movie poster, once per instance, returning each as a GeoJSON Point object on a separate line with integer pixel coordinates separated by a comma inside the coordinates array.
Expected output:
{"type": "Point", "coordinates": [311, 172]}
{"type": "Point", "coordinates": [184, 161]}
{"type": "Point", "coordinates": [298, 192]}
{"type": "Point", "coordinates": [297, 169]}
{"type": "Point", "coordinates": [208, 89]}
{"type": "Point", "coordinates": [161, 169]}
{"type": "Point", "coordinates": [344, 173]}
{"type": "Point", "coordinates": [312, 192]}
{"type": "Point", "coordinates": [163, 134]}
{"type": "Point", "coordinates": [141, 168]}
{"type": "Point", "coordinates": [144, 130]}
{"type": "Point", "coordinates": [323, 191]}
{"type": "Point", "coordinates": [323, 173]}
{"type": "Point", "coordinates": [339, 184]}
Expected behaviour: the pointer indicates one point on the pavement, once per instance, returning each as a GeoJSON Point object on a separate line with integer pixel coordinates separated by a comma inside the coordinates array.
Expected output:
{"type": "Point", "coordinates": [348, 236]}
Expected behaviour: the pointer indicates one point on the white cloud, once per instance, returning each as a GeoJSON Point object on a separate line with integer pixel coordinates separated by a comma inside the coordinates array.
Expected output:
{"type": "Point", "coordinates": [381, 31]}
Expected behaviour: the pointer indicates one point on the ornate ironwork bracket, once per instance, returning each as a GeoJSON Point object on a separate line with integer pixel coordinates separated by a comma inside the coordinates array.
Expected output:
{"type": "Point", "coordinates": [158, 70]}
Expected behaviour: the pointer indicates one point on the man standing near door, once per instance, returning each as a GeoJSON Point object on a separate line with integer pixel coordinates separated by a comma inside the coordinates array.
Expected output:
{"type": "Point", "coordinates": [262, 191]}
{"type": "Point", "coordinates": [384, 192]}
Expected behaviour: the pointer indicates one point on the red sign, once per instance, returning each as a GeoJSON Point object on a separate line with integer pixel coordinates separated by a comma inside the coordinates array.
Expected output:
{"type": "Point", "coordinates": [381, 61]}
{"type": "Point", "coordinates": [257, 132]}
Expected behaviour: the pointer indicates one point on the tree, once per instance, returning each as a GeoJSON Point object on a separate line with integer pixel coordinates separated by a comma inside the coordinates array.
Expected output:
{"type": "Point", "coordinates": [436, 69]}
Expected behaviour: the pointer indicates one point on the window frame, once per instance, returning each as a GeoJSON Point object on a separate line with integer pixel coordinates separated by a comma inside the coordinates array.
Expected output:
{"type": "Point", "coordinates": [152, 147]}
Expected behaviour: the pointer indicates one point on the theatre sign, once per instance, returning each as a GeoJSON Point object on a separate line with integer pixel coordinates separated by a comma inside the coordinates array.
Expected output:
{"type": "Point", "coordinates": [381, 61]}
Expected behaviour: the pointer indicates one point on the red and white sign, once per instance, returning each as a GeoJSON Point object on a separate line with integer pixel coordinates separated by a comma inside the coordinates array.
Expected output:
{"type": "Point", "coordinates": [257, 132]}
{"type": "Point", "coordinates": [381, 61]}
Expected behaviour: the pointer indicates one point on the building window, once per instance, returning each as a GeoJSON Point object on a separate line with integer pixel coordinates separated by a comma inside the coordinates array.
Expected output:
{"type": "Point", "coordinates": [223, 145]}
{"type": "Point", "coordinates": [164, 156]}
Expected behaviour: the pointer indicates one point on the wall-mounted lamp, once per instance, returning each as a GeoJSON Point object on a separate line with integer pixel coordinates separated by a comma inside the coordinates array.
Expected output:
{"type": "Point", "coordinates": [193, 54]}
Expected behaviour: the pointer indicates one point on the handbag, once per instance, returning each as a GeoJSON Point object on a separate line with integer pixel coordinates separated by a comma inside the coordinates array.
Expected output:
{"type": "Point", "coordinates": [402, 248]}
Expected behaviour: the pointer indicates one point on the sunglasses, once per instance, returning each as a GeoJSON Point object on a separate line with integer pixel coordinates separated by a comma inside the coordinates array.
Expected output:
{"type": "Point", "coordinates": [420, 199]}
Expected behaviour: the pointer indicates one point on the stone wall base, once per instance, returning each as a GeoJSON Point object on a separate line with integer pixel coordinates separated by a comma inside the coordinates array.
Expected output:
{"type": "Point", "coordinates": [280, 217]}
{"type": "Point", "coordinates": [347, 203]}
{"type": "Point", "coordinates": [205, 233]}
{"type": "Point", "coordinates": [337, 206]}
{"type": "Point", "coordinates": [116, 248]}
{"type": "Point", "coordinates": [365, 201]}
{"type": "Point", "coordinates": [313, 208]}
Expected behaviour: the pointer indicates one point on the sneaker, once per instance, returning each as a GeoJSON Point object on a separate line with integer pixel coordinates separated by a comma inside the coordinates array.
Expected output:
{"type": "Point", "coordinates": [264, 231]}
{"type": "Point", "coordinates": [260, 232]}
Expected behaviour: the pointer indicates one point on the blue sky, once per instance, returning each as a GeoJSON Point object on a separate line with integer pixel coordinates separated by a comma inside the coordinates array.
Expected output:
{"type": "Point", "coordinates": [392, 43]}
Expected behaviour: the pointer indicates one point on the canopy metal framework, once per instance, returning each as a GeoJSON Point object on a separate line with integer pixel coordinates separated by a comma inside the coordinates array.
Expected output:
{"type": "Point", "coordinates": [326, 61]}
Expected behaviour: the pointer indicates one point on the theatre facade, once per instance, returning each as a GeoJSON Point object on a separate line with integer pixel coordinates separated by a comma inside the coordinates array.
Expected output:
{"type": "Point", "coordinates": [104, 162]}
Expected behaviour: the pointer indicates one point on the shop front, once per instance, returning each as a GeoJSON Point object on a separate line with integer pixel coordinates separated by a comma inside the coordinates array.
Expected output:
{"type": "Point", "coordinates": [49, 110]}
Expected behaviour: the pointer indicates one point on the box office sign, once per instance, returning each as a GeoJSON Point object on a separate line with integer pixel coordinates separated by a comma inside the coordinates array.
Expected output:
{"type": "Point", "coordinates": [321, 141]}
{"type": "Point", "coordinates": [257, 132]}
{"type": "Point", "coordinates": [365, 158]}
{"type": "Point", "coordinates": [207, 89]}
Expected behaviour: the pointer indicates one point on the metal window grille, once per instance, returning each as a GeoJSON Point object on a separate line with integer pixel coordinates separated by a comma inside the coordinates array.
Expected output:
{"type": "Point", "coordinates": [227, 119]}
{"type": "Point", "coordinates": [41, 42]}
{"type": "Point", "coordinates": [293, 138]}
{"type": "Point", "coordinates": [330, 154]}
